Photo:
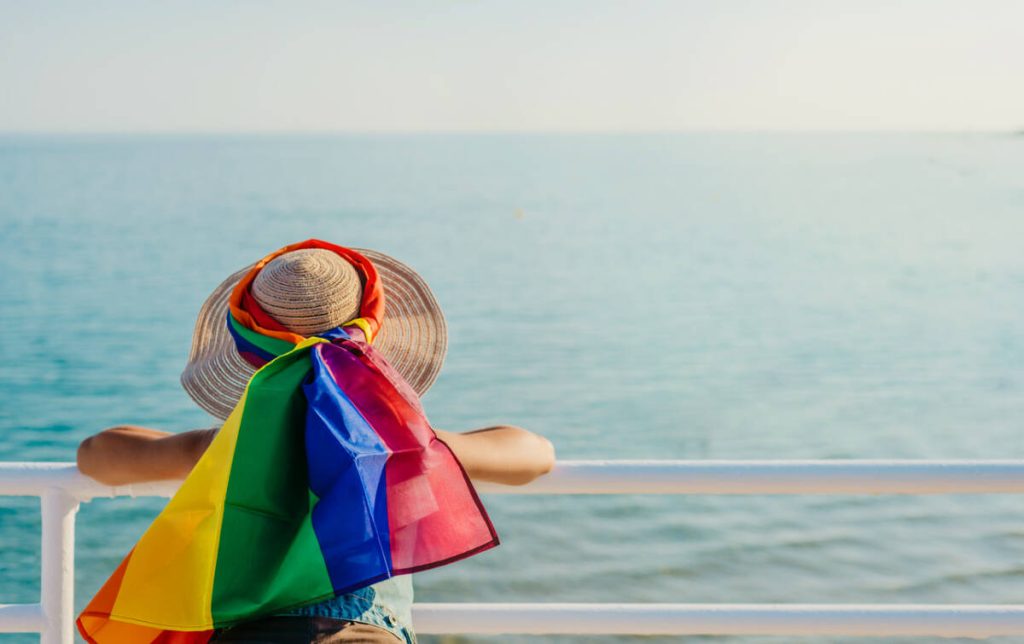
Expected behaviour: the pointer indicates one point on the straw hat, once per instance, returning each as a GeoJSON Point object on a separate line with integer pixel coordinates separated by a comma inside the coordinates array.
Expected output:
{"type": "Point", "coordinates": [310, 291]}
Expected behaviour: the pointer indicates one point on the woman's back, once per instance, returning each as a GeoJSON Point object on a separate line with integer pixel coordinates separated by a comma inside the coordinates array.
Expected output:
{"type": "Point", "coordinates": [384, 605]}
{"type": "Point", "coordinates": [387, 604]}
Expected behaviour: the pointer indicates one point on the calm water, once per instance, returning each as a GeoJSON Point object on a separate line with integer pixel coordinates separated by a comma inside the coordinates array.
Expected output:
{"type": "Point", "coordinates": [685, 296]}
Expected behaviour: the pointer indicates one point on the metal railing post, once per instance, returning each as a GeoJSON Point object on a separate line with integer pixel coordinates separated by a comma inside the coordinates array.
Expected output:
{"type": "Point", "coordinates": [57, 589]}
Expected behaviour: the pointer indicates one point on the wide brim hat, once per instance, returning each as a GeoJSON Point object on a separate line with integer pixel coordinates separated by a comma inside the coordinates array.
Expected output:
{"type": "Point", "coordinates": [413, 337]}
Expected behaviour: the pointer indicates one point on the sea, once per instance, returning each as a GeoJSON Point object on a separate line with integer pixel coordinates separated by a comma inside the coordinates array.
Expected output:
{"type": "Point", "coordinates": [629, 296]}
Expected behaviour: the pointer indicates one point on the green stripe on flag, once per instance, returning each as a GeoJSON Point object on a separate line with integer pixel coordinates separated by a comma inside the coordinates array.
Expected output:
{"type": "Point", "coordinates": [268, 553]}
{"type": "Point", "coordinates": [273, 346]}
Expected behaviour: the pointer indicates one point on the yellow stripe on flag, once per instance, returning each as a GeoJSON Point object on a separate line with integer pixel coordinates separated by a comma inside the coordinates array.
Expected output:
{"type": "Point", "coordinates": [169, 579]}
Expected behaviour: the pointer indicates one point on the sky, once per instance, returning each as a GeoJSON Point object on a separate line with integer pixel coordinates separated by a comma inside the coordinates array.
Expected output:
{"type": "Point", "coordinates": [553, 65]}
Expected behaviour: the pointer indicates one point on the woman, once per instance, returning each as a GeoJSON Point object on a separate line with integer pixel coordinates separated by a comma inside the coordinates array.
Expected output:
{"type": "Point", "coordinates": [309, 289]}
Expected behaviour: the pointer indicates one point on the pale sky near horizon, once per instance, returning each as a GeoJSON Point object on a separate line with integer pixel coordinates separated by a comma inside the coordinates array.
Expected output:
{"type": "Point", "coordinates": [274, 66]}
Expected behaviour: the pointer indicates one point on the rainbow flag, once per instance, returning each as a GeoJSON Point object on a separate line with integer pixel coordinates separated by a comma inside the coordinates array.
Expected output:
{"type": "Point", "coordinates": [326, 477]}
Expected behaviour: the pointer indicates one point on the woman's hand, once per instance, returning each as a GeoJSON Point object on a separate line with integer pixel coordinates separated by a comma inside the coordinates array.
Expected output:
{"type": "Point", "coordinates": [503, 454]}
{"type": "Point", "coordinates": [131, 454]}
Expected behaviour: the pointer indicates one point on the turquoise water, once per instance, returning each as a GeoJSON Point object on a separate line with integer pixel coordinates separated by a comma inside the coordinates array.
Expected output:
{"type": "Point", "coordinates": [654, 296]}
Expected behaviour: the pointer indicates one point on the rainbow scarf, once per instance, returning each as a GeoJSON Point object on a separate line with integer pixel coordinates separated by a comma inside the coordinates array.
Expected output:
{"type": "Point", "coordinates": [326, 477]}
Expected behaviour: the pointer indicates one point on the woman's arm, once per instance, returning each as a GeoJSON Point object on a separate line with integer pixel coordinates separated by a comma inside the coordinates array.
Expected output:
{"type": "Point", "coordinates": [503, 454]}
{"type": "Point", "coordinates": [131, 454]}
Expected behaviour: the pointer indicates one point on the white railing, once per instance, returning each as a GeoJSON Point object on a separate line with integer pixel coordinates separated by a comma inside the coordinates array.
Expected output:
{"type": "Point", "coordinates": [61, 488]}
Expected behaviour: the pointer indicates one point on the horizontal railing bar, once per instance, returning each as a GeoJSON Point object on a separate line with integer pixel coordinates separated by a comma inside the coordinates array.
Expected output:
{"type": "Point", "coordinates": [22, 618]}
{"type": "Point", "coordinates": [954, 620]}
{"type": "Point", "coordinates": [34, 478]}
{"type": "Point", "coordinates": [777, 477]}
{"type": "Point", "coordinates": [646, 477]}
{"type": "Point", "coordinates": [721, 619]}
